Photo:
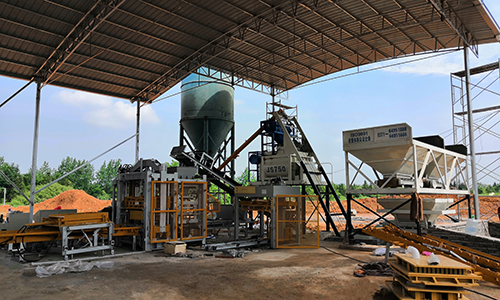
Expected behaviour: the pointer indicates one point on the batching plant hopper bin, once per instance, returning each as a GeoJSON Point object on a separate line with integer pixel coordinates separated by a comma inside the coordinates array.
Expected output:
{"type": "Point", "coordinates": [403, 164]}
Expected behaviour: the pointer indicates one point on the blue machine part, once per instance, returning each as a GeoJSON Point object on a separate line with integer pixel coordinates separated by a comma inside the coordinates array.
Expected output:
{"type": "Point", "coordinates": [272, 128]}
{"type": "Point", "coordinates": [255, 158]}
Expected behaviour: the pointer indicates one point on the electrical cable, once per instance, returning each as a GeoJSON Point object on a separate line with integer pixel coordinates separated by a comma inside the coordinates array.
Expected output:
{"type": "Point", "coordinates": [39, 257]}
{"type": "Point", "coordinates": [22, 230]}
{"type": "Point", "coordinates": [374, 69]}
{"type": "Point", "coordinates": [320, 81]}
{"type": "Point", "coordinates": [335, 252]}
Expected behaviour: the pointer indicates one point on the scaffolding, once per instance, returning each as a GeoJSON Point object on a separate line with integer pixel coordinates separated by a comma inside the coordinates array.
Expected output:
{"type": "Point", "coordinates": [484, 94]}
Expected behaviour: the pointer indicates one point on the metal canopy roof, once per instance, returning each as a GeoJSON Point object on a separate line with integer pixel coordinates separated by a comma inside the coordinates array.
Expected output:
{"type": "Point", "coordinates": [138, 49]}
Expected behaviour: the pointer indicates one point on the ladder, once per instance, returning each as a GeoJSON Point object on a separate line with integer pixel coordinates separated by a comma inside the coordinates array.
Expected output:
{"type": "Point", "coordinates": [311, 166]}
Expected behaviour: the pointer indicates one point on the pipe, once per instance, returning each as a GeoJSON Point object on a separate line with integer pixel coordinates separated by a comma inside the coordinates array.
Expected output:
{"type": "Point", "coordinates": [138, 122]}
{"type": "Point", "coordinates": [470, 123]}
{"type": "Point", "coordinates": [35, 148]}
{"type": "Point", "coordinates": [414, 252]}
{"type": "Point", "coordinates": [16, 93]}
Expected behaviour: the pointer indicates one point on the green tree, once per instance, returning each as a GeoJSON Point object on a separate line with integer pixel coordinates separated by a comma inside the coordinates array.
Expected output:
{"type": "Point", "coordinates": [12, 171]}
{"type": "Point", "coordinates": [47, 193]}
{"type": "Point", "coordinates": [105, 176]}
{"type": "Point", "coordinates": [44, 174]}
{"type": "Point", "coordinates": [340, 189]}
{"type": "Point", "coordinates": [245, 178]}
{"type": "Point", "coordinates": [173, 163]}
{"type": "Point", "coordinates": [82, 179]}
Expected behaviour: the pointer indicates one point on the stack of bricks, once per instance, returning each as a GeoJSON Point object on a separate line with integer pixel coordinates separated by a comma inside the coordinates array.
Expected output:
{"type": "Point", "coordinates": [489, 245]}
{"type": "Point", "coordinates": [416, 279]}
{"type": "Point", "coordinates": [494, 229]}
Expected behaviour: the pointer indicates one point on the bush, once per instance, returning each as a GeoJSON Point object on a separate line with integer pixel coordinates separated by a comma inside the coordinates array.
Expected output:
{"type": "Point", "coordinates": [47, 193]}
{"type": "Point", "coordinates": [50, 192]}
{"type": "Point", "coordinates": [18, 201]}
{"type": "Point", "coordinates": [103, 196]}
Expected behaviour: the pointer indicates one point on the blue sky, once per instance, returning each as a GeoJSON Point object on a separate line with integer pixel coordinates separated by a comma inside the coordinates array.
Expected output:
{"type": "Point", "coordinates": [83, 125]}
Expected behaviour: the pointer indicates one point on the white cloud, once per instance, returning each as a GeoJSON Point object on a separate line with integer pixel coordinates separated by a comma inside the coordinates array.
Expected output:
{"type": "Point", "coordinates": [443, 65]}
{"type": "Point", "coordinates": [103, 111]}
{"type": "Point", "coordinates": [82, 99]}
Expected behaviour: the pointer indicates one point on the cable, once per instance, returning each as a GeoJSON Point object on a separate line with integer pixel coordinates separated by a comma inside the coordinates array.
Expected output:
{"type": "Point", "coordinates": [316, 82]}
{"type": "Point", "coordinates": [22, 230]}
{"type": "Point", "coordinates": [373, 69]}
{"type": "Point", "coordinates": [40, 257]}
{"type": "Point", "coordinates": [178, 93]}
{"type": "Point", "coordinates": [484, 295]}
{"type": "Point", "coordinates": [355, 259]}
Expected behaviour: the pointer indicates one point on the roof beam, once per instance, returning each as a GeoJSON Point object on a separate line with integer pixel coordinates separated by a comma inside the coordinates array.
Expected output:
{"type": "Point", "coordinates": [315, 46]}
{"type": "Point", "coordinates": [62, 84]}
{"type": "Point", "coordinates": [73, 66]}
{"type": "Point", "coordinates": [140, 32]}
{"type": "Point", "coordinates": [391, 22]}
{"type": "Point", "coordinates": [192, 62]}
{"type": "Point", "coordinates": [250, 28]}
{"type": "Point", "coordinates": [420, 24]}
{"type": "Point", "coordinates": [239, 36]}
{"type": "Point", "coordinates": [454, 22]}
{"type": "Point", "coordinates": [101, 48]}
{"type": "Point", "coordinates": [80, 32]}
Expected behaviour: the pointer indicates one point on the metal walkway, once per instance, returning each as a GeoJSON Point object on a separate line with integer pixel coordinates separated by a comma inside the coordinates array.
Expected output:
{"type": "Point", "coordinates": [311, 167]}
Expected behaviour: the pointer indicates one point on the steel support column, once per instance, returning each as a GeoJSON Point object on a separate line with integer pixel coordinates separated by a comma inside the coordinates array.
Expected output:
{"type": "Point", "coordinates": [470, 123]}
{"type": "Point", "coordinates": [233, 137]}
{"type": "Point", "coordinates": [35, 148]}
{"type": "Point", "coordinates": [138, 123]}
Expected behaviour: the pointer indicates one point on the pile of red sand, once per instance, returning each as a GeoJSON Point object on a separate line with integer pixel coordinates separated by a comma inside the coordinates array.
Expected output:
{"type": "Point", "coordinates": [72, 199]}
{"type": "Point", "coordinates": [488, 208]}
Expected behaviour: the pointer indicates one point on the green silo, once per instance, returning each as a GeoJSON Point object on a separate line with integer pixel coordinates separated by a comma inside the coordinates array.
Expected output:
{"type": "Point", "coordinates": [207, 112]}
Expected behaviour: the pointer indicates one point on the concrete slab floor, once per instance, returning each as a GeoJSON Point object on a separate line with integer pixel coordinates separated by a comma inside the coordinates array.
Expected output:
{"type": "Point", "coordinates": [266, 274]}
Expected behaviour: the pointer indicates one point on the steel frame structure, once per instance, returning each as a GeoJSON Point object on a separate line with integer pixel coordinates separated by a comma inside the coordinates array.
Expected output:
{"type": "Point", "coordinates": [433, 156]}
{"type": "Point", "coordinates": [138, 50]}
{"type": "Point", "coordinates": [484, 128]}
{"type": "Point", "coordinates": [114, 47]}
{"type": "Point", "coordinates": [422, 158]}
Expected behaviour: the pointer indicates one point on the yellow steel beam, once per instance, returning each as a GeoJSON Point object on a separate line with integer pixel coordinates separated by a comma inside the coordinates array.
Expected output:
{"type": "Point", "coordinates": [481, 264]}
{"type": "Point", "coordinates": [31, 235]}
{"type": "Point", "coordinates": [121, 230]}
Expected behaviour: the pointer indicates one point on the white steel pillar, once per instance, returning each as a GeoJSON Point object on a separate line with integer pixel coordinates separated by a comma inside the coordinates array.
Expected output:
{"type": "Point", "coordinates": [35, 148]}
{"type": "Point", "coordinates": [470, 124]}
{"type": "Point", "coordinates": [137, 131]}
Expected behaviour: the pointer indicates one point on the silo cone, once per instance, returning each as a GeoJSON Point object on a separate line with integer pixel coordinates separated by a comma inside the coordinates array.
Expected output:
{"type": "Point", "coordinates": [207, 112]}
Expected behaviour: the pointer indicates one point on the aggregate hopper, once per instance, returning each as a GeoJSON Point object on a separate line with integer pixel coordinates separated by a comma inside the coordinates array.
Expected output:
{"type": "Point", "coordinates": [404, 164]}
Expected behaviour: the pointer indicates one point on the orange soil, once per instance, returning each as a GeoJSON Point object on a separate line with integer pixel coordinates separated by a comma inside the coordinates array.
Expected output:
{"type": "Point", "coordinates": [488, 209]}
{"type": "Point", "coordinates": [72, 199]}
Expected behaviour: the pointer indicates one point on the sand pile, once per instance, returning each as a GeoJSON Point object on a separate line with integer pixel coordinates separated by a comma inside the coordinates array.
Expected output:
{"type": "Point", "coordinates": [489, 206]}
{"type": "Point", "coordinates": [72, 199]}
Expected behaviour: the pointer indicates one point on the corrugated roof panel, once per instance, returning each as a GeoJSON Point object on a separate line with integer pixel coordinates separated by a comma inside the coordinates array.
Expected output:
{"type": "Point", "coordinates": [272, 42]}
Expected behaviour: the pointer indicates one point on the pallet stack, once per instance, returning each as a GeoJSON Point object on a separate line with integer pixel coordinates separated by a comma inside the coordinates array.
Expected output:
{"type": "Point", "coordinates": [415, 279]}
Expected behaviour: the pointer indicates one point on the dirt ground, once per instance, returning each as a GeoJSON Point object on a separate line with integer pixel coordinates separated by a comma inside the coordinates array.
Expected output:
{"type": "Point", "coordinates": [267, 274]}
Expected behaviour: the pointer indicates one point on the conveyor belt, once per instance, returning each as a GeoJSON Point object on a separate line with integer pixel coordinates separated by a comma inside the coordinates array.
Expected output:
{"type": "Point", "coordinates": [486, 265]}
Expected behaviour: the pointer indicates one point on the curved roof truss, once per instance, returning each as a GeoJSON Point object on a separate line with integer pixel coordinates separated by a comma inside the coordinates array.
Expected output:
{"type": "Point", "coordinates": [139, 49]}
